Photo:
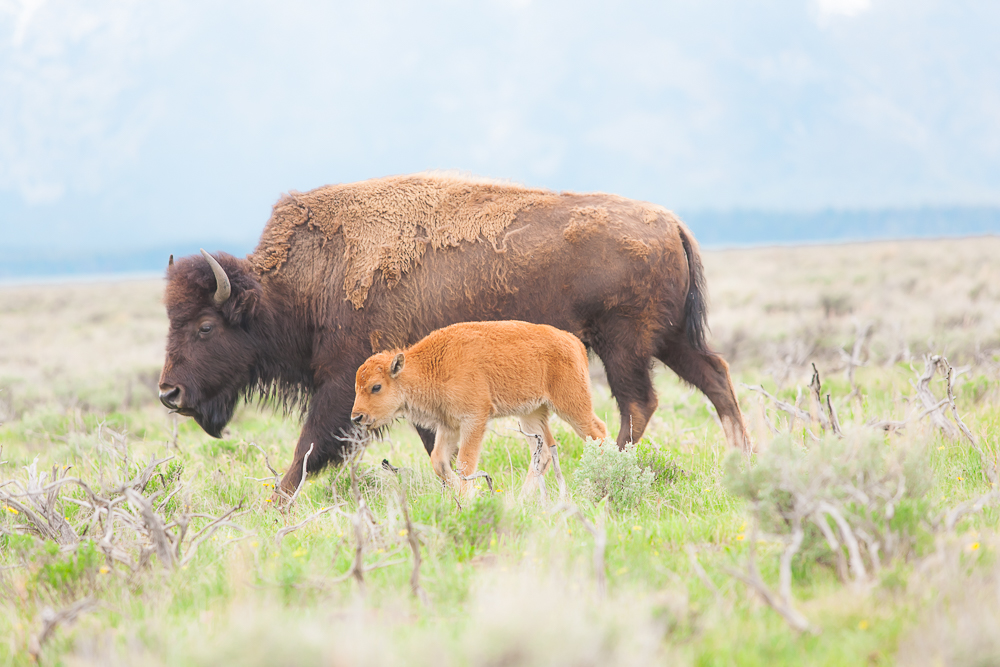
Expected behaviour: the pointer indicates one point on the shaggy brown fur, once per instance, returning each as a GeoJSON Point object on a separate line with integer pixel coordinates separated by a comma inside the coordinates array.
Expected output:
{"type": "Point", "coordinates": [387, 223]}
{"type": "Point", "coordinates": [348, 270]}
{"type": "Point", "coordinates": [458, 378]}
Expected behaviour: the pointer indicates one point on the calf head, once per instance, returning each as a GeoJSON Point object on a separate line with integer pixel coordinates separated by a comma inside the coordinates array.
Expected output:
{"type": "Point", "coordinates": [378, 396]}
{"type": "Point", "coordinates": [212, 304]}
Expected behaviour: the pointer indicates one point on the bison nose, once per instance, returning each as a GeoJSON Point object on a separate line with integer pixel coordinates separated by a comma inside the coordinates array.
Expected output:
{"type": "Point", "coordinates": [358, 418]}
{"type": "Point", "coordinates": [171, 397]}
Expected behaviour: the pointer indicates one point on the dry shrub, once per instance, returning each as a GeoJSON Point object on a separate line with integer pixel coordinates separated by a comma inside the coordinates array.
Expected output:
{"type": "Point", "coordinates": [857, 497]}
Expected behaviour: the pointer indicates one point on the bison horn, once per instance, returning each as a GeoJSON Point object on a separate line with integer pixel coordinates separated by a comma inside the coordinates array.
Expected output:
{"type": "Point", "coordinates": [223, 288]}
{"type": "Point", "coordinates": [170, 262]}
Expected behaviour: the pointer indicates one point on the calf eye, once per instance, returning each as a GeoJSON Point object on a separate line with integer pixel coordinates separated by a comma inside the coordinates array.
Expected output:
{"type": "Point", "coordinates": [375, 389]}
{"type": "Point", "coordinates": [205, 328]}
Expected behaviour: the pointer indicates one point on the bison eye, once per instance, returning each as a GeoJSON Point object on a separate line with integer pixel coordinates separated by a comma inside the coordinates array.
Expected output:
{"type": "Point", "coordinates": [376, 388]}
{"type": "Point", "coordinates": [205, 328]}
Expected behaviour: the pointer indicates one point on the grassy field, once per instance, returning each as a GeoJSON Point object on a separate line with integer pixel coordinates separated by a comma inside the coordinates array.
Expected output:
{"type": "Point", "coordinates": [875, 545]}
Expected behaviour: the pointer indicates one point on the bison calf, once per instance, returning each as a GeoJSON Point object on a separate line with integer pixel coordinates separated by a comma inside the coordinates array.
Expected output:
{"type": "Point", "coordinates": [458, 378]}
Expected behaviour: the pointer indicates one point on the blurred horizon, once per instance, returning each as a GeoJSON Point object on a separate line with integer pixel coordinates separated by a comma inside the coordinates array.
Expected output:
{"type": "Point", "coordinates": [139, 127]}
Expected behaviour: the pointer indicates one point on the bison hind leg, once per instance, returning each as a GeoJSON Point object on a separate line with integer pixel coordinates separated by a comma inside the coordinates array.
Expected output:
{"type": "Point", "coordinates": [710, 373]}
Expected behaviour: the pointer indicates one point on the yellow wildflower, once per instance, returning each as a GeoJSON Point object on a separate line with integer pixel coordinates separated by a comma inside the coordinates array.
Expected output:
{"type": "Point", "coordinates": [404, 532]}
{"type": "Point", "coordinates": [12, 510]}
{"type": "Point", "coordinates": [973, 546]}
{"type": "Point", "coordinates": [739, 538]}
{"type": "Point", "coordinates": [863, 625]}
{"type": "Point", "coordinates": [636, 527]}
{"type": "Point", "coordinates": [104, 570]}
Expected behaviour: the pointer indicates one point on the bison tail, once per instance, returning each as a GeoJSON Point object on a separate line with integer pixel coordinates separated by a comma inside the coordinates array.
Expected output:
{"type": "Point", "coordinates": [696, 304]}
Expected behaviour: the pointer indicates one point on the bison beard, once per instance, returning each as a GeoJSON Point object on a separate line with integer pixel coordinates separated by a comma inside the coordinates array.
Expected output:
{"type": "Point", "coordinates": [345, 271]}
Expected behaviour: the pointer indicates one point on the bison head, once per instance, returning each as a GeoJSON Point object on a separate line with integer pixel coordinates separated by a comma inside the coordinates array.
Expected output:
{"type": "Point", "coordinates": [378, 396]}
{"type": "Point", "coordinates": [212, 304]}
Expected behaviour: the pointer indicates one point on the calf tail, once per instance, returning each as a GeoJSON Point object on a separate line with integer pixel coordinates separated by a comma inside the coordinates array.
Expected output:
{"type": "Point", "coordinates": [696, 304]}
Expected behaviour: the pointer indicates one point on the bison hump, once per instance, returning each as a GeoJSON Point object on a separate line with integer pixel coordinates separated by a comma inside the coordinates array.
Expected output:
{"type": "Point", "coordinates": [388, 223]}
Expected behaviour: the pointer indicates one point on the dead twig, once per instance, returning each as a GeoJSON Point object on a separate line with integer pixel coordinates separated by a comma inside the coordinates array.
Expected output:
{"type": "Point", "coordinates": [702, 575]}
{"type": "Point", "coordinates": [302, 482]}
{"type": "Point", "coordinates": [783, 603]}
{"type": "Point", "coordinates": [832, 415]}
{"type": "Point", "coordinates": [52, 620]}
{"type": "Point", "coordinates": [989, 467]}
{"type": "Point", "coordinates": [280, 535]}
{"type": "Point", "coordinates": [792, 410]}
{"type": "Point", "coordinates": [600, 535]}
{"type": "Point", "coordinates": [929, 401]}
{"type": "Point", "coordinates": [411, 535]}
{"type": "Point", "coordinates": [816, 405]}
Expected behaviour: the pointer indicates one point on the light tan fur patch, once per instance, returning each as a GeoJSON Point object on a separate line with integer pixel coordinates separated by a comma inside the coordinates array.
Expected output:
{"type": "Point", "coordinates": [585, 222]}
{"type": "Point", "coordinates": [387, 223]}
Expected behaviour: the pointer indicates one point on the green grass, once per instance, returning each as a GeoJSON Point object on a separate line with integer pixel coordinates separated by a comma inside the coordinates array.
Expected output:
{"type": "Point", "coordinates": [508, 580]}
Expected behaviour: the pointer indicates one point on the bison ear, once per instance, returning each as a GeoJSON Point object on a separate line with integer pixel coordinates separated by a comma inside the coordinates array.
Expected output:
{"type": "Point", "coordinates": [170, 262]}
{"type": "Point", "coordinates": [396, 366]}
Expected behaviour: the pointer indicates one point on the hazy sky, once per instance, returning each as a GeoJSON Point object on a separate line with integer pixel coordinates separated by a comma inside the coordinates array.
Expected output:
{"type": "Point", "coordinates": [135, 123]}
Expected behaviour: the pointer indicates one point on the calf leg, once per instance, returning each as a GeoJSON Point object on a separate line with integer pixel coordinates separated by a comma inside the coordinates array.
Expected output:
{"type": "Point", "coordinates": [710, 373]}
{"type": "Point", "coordinates": [445, 444]}
{"type": "Point", "coordinates": [469, 449]}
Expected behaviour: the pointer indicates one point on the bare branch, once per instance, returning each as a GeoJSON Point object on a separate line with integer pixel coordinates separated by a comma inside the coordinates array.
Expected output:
{"type": "Point", "coordinates": [52, 620]}
{"type": "Point", "coordinates": [857, 565]}
{"type": "Point", "coordinates": [954, 515]}
{"type": "Point", "coordinates": [751, 578]}
{"type": "Point", "coordinates": [834, 422]}
{"type": "Point", "coordinates": [989, 467]}
{"type": "Point", "coordinates": [280, 535]}
{"type": "Point", "coordinates": [598, 532]}
{"type": "Point", "coordinates": [928, 399]}
{"type": "Point", "coordinates": [702, 575]}
{"type": "Point", "coordinates": [302, 482]}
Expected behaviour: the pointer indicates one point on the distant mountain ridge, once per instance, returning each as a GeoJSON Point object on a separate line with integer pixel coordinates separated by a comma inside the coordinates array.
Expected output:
{"type": "Point", "coordinates": [750, 227]}
{"type": "Point", "coordinates": [713, 229]}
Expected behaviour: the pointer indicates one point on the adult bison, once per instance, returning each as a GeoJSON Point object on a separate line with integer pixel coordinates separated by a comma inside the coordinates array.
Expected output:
{"type": "Point", "coordinates": [345, 271]}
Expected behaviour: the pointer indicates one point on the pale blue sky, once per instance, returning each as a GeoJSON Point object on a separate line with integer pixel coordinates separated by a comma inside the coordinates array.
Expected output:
{"type": "Point", "coordinates": [128, 123]}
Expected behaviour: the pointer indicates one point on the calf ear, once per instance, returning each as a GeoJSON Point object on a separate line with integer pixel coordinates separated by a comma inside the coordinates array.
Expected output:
{"type": "Point", "coordinates": [396, 366]}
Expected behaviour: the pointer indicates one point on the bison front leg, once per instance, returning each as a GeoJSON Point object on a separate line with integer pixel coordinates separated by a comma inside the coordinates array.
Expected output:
{"type": "Point", "coordinates": [428, 437]}
{"type": "Point", "coordinates": [328, 422]}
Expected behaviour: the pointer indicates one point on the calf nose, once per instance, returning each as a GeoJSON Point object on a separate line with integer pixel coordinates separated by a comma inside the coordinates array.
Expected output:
{"type": "Point", "coordinates": [171, 397]}
{"type": "Point", "coordinates": [358, 418]}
